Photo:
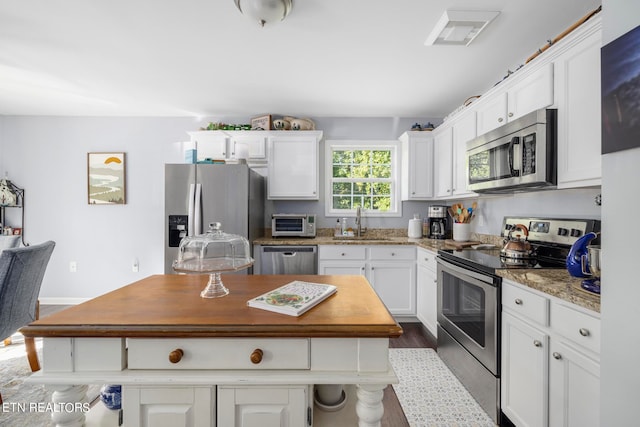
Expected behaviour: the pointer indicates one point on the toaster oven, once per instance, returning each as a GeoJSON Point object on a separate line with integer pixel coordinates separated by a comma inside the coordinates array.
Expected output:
{"type": "Point", "coordinates": [293, 225]}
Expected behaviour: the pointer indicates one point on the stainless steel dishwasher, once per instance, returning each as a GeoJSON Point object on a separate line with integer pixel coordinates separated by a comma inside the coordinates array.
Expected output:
{"type": "Point", "coordinates": [289, 260]}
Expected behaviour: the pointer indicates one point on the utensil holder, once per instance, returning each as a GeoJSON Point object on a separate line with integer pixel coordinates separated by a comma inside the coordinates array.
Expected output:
{"type": "Point", "coordinates": [461, 231]}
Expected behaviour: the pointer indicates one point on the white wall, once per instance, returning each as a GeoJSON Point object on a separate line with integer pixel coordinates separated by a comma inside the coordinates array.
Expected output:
{"type": "Point", "coordinates": [47, 157]}
{"type": "Point", "coordinates": [620, 374]}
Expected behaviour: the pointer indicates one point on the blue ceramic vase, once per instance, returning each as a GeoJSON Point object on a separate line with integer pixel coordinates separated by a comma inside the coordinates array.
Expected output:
{"type": "Point", "coordinates": [111, 396]}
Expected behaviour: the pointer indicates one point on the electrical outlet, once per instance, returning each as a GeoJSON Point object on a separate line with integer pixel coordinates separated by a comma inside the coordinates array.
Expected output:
{"type": "Point", "coordinates": [73, 266]}
{"type": "Point", "coordinates": [135, 267]}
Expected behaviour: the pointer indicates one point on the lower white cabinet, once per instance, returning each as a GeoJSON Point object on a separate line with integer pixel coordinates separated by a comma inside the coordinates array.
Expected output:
{"type": "Point", "coordinates": [427, 290]}
{"type": "Point", "coordinates": [264, 406]}
{"type": "Point", "coordinates": [550, 371]}
{"type": "Point", "coordinates": [391, 270]}
{"type": "Point", "coordinates": [169, 406]}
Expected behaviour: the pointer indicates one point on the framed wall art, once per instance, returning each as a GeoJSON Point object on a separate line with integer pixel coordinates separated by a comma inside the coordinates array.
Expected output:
{"type": "Point", "coordinates": [621, 93]}
{"type": "Point", "coordinates": [106, 178]}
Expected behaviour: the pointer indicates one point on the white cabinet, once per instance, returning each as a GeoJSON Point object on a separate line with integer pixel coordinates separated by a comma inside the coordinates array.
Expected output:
{"type": "Point", "coordinates": [169, 406]}
{"type": "Point", "coordinates": [427, 290]}
{"type": "Point", "coordinates": [225, 145]}
{"type": "Point", "coordinates": [263, 406]}
{"type": "Point", "coordinates": [578, 97]}
{"type": "Point", "coordinates": [390, 269]}
{"type": "Point", "coordinates": [550, 360]}
{"type": "Point", "coordinates": [417, 165]}
{"type": "Point", "coordinates": [443, 161]}
{"type": "Point", "coordinates": [515, 97]}
{"type": "Point", "coordinates": [293, 165]}
{"type": "Point", "coordinates": [464, 130]}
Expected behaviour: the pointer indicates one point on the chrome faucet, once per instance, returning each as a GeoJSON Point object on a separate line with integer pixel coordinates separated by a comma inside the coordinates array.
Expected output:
{"type": "Point", "coordinates": [359, 230]}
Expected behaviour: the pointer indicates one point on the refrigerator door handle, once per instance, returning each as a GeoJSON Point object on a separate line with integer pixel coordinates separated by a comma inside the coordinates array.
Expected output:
{"type": "Point", "coordinates": [198, 200]}
{"type": "Point", "coordinates": [190, 219]}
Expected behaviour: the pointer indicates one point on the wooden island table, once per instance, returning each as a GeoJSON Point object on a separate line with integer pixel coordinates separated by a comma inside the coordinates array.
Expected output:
{"type": "Point", "coordinates": [187, 361]}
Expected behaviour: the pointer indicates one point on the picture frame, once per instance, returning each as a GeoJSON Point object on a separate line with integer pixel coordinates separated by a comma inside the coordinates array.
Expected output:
{"type": "Point", "coordinates": [261, 123]}
{"type": "Point", "coordinates": [106, 178]}
{"type": "Point", "coordinates": [620, 78]}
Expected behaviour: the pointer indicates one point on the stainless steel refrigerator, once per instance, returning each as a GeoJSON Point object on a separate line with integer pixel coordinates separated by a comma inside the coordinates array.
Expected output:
{"type": "Point", "coordinates": [198, 194]}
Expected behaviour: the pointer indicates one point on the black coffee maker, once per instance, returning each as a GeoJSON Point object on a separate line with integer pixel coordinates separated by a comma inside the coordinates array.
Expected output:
{"type": "Point", "coordinates": [439, 225]}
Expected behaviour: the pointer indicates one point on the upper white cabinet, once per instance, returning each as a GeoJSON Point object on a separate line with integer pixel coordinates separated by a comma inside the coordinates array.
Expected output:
{"type": "Point", "coordinates": [417, 162]}
{"type": "Point", "coordinates": [223, 145]}
{"type": "Point", "coordinates": [464, 130]}
{"type": "Point", "coordinates": [293, 165]}
{"type": "Point", "coordinates": [515, 98]}
{"type": "Point", "coordinates": [577, 82]}
{"type": "Point", "coordinates": [443, 160]}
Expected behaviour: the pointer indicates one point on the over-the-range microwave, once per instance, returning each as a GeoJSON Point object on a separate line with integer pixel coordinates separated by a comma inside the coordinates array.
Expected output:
{"type": "Point", "coordinates": [293, 225]}
{"type": "Point", "coordinates": [520, 155]}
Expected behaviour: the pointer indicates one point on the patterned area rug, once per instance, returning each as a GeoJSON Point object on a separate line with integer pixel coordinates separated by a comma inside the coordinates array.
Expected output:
{"type": "Point", "coordinates": [430, 395]}
{"type": "Point", "coordinates": [20, 399]}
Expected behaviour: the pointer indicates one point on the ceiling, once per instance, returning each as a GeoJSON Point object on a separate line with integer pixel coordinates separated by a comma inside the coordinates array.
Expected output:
{"type": "Point", "coordinates": [203, 58]}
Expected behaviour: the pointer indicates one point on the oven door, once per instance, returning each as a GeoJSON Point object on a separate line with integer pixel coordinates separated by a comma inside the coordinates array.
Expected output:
{"type": "Point", "coordinates": [468, 311]}
{"type": "Point", "coordinates": [288, 225]}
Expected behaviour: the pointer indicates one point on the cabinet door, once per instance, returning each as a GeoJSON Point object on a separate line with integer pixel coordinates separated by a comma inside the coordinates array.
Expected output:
{"type": "Point", "coordinates": [492, 113]}
{"type": "Point", "coordinates": [417, 166]}
{"type": "Point", "coordinates": [262, 406]}
{"type": "Point", "coordinates": [579, 118]}
{"type": "Point", "coordinates": [531, 93]}
{"type": "Point", "coordinates": [341, 268]}
{"type": "Point", "coordinates": [427, 298]}
{"type": "Point", "coordinates": [463, 131]}
{"type": "Point", "coordinates": [168, 406]}
{"type": "Point", "coordinates": [210, 145]}
{"type": "Point", "coordinates": [574, 382]}
{"type": "Point", "coordinates": [395, 284]}
{"type": "Point", "coordinates": [293, 167]}
{"type": "Point", "coordinates": [251, 144]}
{"type": "Point", "coordinates": [443, 162]}
{"type": "Point", "coordinates": [524, 393]}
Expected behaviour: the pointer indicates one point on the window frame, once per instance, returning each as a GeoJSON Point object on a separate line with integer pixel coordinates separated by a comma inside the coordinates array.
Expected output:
{"type": "Point", "coordinates": [393, 146]}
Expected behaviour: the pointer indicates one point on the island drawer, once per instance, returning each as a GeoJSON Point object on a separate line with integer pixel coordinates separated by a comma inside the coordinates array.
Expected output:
{"type": "Point", "coordinates": [342, 252]}
{"type": "Point", "coordinates": [525, 303]}
{"type": "Point", "coordinates": [218, 353]}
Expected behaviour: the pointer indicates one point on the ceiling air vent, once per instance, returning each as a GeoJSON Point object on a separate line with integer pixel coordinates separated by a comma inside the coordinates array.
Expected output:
{"type": "Point", "coordinates": [458, 27]}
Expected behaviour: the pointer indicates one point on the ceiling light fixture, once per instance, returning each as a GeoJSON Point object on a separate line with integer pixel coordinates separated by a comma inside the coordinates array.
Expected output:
{"type": "Point", "coordinates": [265, 11]}
{"type": "Point", "coordinates": [457, 27]}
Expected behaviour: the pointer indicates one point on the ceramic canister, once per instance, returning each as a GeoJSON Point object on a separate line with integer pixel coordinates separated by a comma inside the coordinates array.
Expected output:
{"type": "Point", "coordinates": [415, 227]}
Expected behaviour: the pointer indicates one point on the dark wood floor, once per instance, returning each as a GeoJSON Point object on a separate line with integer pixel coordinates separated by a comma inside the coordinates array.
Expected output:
{"type": "Point", "coordinates": [414, 336]}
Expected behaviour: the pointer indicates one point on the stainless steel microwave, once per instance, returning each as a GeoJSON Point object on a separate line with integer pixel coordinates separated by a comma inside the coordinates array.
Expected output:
{"type": "Point", "coordinates": [293, 225]}
{"type": "Point", "coordinates": [520, 155]}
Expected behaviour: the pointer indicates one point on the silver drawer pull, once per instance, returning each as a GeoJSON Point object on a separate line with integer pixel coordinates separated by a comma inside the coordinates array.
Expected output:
{"type": "Point", "coordinates": [537, 343]}
{"type": "Point", "coordinates": [393, 254]}
{"type": "Point", "coordinates": [584, 332]}
{"type": "Point", "coordinates": [342, 254]}
{"type": "Point", "coordinates": [518, 301]}
{"type": "Point", "coordinates": [557, 355]}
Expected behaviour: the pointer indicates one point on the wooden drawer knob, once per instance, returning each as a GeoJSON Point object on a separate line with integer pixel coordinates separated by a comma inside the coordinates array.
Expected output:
{"type": "Point", "coordinates": [256, 356]}
{"type": "Point", "coordinates": [176, 355]}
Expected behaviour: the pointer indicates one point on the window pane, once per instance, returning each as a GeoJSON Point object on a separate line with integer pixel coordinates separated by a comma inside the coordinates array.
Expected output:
{"type": "Point", "coordinates": [381, 203]}
{"type": "Point", "coordinates": [342, 188]}
{"type": "Point", "coordinates": [361, 188]}
{"type": "Point", "coordinates": [341, 202]}
{"type": "Point", "coordinates": [382, 188]}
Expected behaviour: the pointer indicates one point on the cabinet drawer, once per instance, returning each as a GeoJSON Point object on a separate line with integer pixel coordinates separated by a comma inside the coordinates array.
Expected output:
{"type": "Point", "coordinates": [218, 353]}
{"type": "Point", "coordinates": [427, 259]}
{"type": "Point", "coordinates": [341, 252]}
{"type": "Point", "coordinates": [390, 253]}
{"type": "Point", "coordinates": [525, 303]}
{"type": "Point", "coordinates": [577, 326]}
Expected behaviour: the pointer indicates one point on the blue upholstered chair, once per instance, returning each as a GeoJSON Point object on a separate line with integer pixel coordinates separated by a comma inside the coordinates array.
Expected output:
{"type": "Point", "coordinates": [21, 273]}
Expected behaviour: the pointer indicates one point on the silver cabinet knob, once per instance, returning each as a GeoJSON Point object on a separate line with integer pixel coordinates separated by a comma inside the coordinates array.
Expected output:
{"type": "Point", "coordinates": [518, 301]}
{"type": "Point", "coordinates": [510, 114]}
{"type": "Point", "coordinates": [537, 343]}
{"type": "Point", "coordinates": [557, 355]}
{"type": "Point", "coordinates": [584, 332]}
{"type": "Point", "coordinates": [500, 120]}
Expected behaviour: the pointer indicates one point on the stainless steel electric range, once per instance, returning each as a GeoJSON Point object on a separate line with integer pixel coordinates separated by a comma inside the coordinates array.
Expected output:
{"type": "Point", "coordinates": [469, 299]}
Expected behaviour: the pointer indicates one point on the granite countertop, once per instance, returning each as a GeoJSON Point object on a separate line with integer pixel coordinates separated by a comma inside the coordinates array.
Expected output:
{"type": "Point", "coordinates": [555, 282]}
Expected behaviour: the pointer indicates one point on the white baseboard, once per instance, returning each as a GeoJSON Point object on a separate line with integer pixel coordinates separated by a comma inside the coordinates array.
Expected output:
{"type": "Point", "coordinates": [62, 301]}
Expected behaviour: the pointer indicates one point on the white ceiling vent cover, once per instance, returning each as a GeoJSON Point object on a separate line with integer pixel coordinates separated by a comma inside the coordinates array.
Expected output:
{"type": "Point", "coordinates": [458, 27]}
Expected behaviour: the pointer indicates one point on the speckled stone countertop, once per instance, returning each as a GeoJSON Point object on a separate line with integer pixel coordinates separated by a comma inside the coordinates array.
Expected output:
{"type": "Point", "coordinates": [555, 282]}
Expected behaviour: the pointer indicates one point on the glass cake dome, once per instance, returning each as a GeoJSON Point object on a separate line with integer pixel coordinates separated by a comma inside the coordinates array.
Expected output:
{"type": "Point", "coordinates": [212, 253]}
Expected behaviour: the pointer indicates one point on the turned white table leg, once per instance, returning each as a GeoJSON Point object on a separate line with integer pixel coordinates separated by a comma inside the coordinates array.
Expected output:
{"type": "Point", "coordinates": [69, 405]}
{"type": "Point", "coordinates": [369, 406]}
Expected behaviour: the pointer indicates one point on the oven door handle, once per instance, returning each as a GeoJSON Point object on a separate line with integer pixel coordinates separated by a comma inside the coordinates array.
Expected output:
{"type": "Point", "coordinates": [465, 272]}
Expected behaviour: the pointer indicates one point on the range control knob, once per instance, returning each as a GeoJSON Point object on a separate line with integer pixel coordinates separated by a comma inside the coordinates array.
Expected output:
{"type": "Point", "coordinates": [575, 232]}
{"type": "Point", "coordinates": [563, 231]}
